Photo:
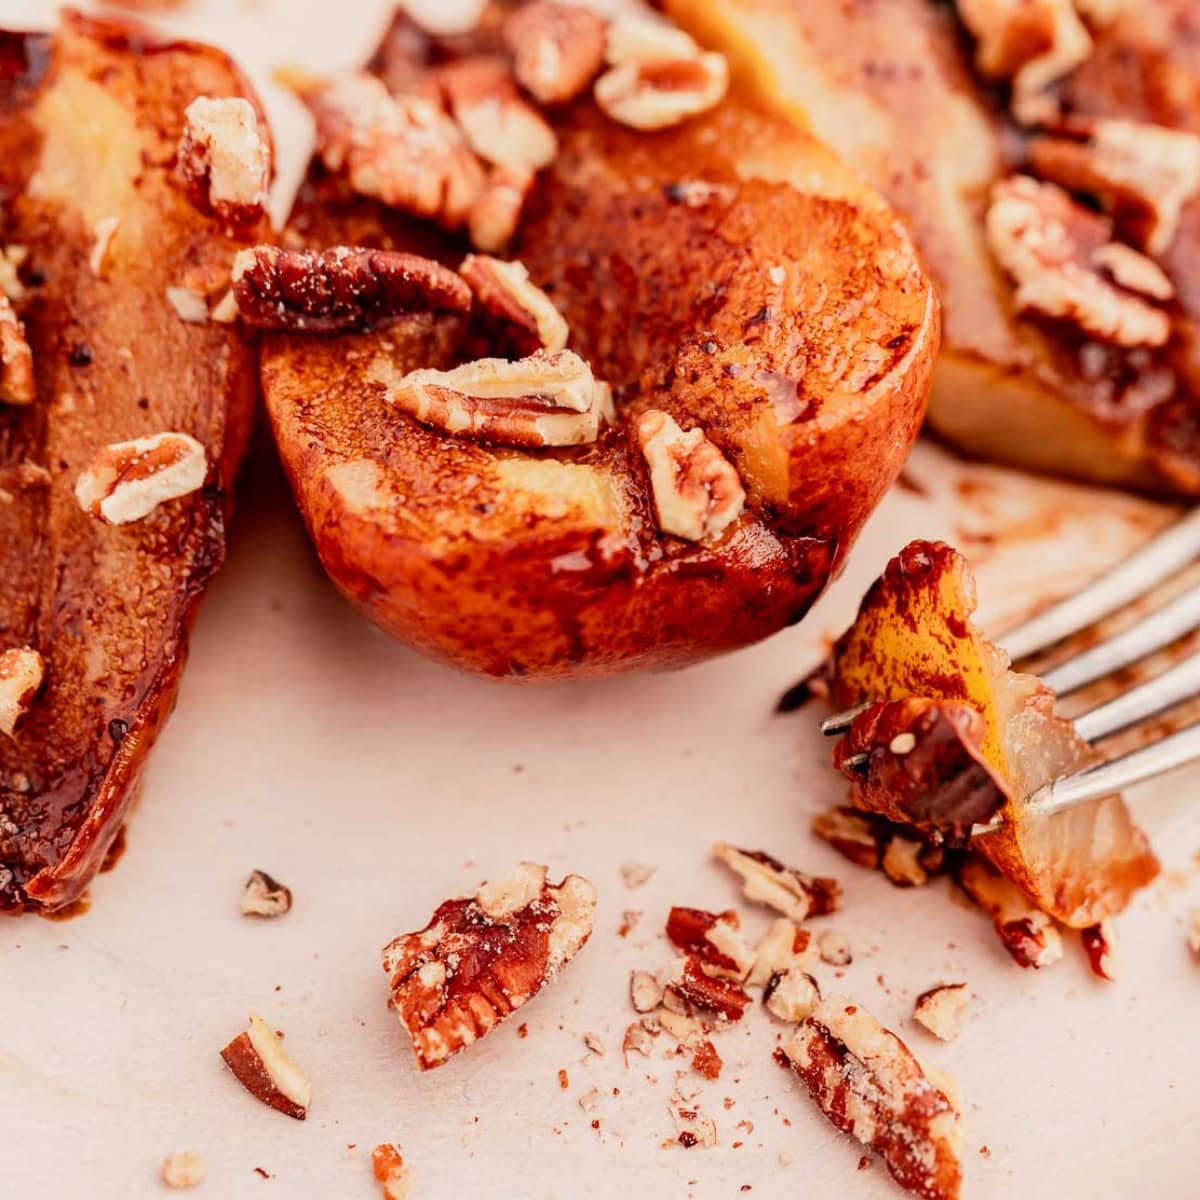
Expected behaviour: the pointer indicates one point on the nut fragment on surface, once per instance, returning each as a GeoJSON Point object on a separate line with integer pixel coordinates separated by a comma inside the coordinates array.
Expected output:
{"type": "Point", "coordinates": [557, 49]}
{"type": "Point", "coordinates": [481, 957]}
{"type": "Point", "coordinates": [224, 161]}
{"type": "Point", "coordinates": [504, 290]}
{"type": "Point", "coordinates": [697, 492]}
{"type": "Point", "coordinates": [541, 400]}
{"type": "Point", "coordinates": [496, 212]}
{"type": "Point", "coordinates": [264, 896]}
{"type": "Point", "coordinates": [1099, 943]}
{"type": "Point", "coordinates": [189, 305]}
{"type": "Point", "coordinates": [393, 1177]}
{"type": "Point", "coordinates": [16, 358]}
{"type": "Point", "coordinates": [901, 861]}
{"type": "Point", "coordinates": [657, 95]}
{"type": "Point", "coordinates": [870, 1085]}
{"type": "Point", "coordinates": [184, 1169]}
{"type": "Point", "coordinates": [941, 1009]}
{"type": "Point", "coordinates": [693, 983]}
{"type": "Point", "coordinates": [713, 939]}
{"type": "Point", "coordinates": [766, 880]}
{"type": "Point", "coordinates": [645, 992]}
{"type": "Point", "coordinates": [782, 947]}
{"type": "Point", "coordinates": [834, 948]}
{"type": "Point", "coordinates": [1028, 934]}
{"type": "Point", "coordinates": [402, 150]}
{"type": "Point", "coordinates": [791, 995]}
{"type": "Point", "coordinates": [339, 289]}
{"type": "Point", "coordinates": [692, 1126]}
{"type": "Point", "coordinates": [127, 481]}
{"type": "Point", "coordinates": [261, 1066]}
{"type": "Point", "coordinates": [636, 875]}
{"type": "Point", "coordinates": [103, 233]}
{"type": "Point", "coordinates": [638, 1040]}
{"type": "Point", "coordinates": [853, 834]}
{"type": "Point", "coordinates": [1049, 245]}
{"type": "Point", "coordinates": [1143, 174]}
{"type": "Point", "coordinates": [22, 672]}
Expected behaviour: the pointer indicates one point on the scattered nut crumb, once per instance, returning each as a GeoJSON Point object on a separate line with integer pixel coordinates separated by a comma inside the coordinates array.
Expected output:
{"type": "Point", "coordinates": [594, 1042]}
{"type": "Point", "coordinates": [184, 1169]}
{"type": "Point", "coordinates": [590, 1100]}
{"type": "Point", "coordinates": [629, 919]}
{"type": "Point", "coordinates": [262, 1067]}
{"type": "Point", "coordinates": [264, 896]}
{"type": "Point", "coordinates": [22, 672]}
{"type": "Point", "coordinates": [834, 948]}
{"type": "Point", "coordinates": [636, 874]}
{"type": "Point", "coordinates": [189, 304]}
{"type": "Point", "coordinates": [1099, 942]}
{"type": "Point", "coordinates": [387, 1162]}
{"type": "Point", "coordinates": [941, 1009]}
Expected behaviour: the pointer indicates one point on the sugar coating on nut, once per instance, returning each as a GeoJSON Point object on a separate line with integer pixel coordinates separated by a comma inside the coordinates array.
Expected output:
{"type": "Point", "coordinates": [657, 95]}
{"type": "Point", "coordinates": [693, 1127]}
{"type": "Point", "coordinates": [223, 159]}
{"type": "Point", "coordinates": [127, 481]}
{"type": "Point", "coordinates": [260, 1064]}
{"type": "Point", "coordinates": [941, 1009]}
{"type": "Point", "coordinates": [22, 672]}
{"type": "Point", "coordinates": [184, 1169]}
{"type": "Point", "coordinates": [16, 358]}
{"type": "Point", "coordinates": [870, 1085]}
{"type": "Point", "coordinates": [765, 880]}
{"type": "Point", "coordinates": [557, 49]}
{"type": "Point", "coordinates": [264, 896]}
{"type": "Point", "coordinates": [482, 957]}
{"type": "Point", "coordinates": [697, 491]}
{"type": "Point", "coordinates": [693, 982]}
{"type": "Point", "coordinates": [505, 291]}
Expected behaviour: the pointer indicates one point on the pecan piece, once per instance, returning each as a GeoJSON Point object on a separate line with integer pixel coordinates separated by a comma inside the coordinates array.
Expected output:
{"type": "Point", "coordinates": [782, 948]}
{"type": "Point", "coordinates": [869, 1084]}
{"type": "Point", "coordinates": [261, 1066]}
{"type": "Point", "coordinates": [834, 948]}
{"type": "Point", "coordinates": [342, 288]}
{"type": "Point", "coordinates": [127, 481]}
{"type": "Point", "coordinates": [657, 95]}
{"type": "Point", "coordinates": [542, 400]}
{"type": "Point", "coordinates": [1028, 934]}
{"type": "Point", "coordinates": [480, 958]}
{"type": "Point", "coordinates": [941, 1008]}
{"type": "Point", "coordinates": [693, 983]}
{"type": "Point", "coordinates": [791, 995]}
{"type": "Point", "coordinates": [493, 218]}
{"type": "Point", "coordinates": [557, 49]}
{"type": "Point", "coordinates": [645, 992]}
{"type": "Point", "coordinates": [387, 1164]}
{"type": "Point", "coordinates": [504, 290]}
{"type": "Point", "coordinates": [402, 150]}
{"type": "Point", "coordinates": [183, 1169]}
{"type": "Point", "coordinates": [1049, 245]}
{"type": "Point", "coordinates": [16, 358]}
{"type": "Point", "coordinates": [713, 939]}
{"type": "Point", "coordinates": [1099, 943]}
{"type": "Point", "coordinates": [697, 492]}
{"type": "Point", "coordinates": [853, 834]}
{"type": "Point", "coordinates": [692, 1126]}
{"type": "Point", "coordinates": [223, 160]}
{"type": "Point", "coordinates": [265, 897]}
{"type": "Point", "coordinates": [766, 880]}
{"type": "Point", "coordinates": [22, 672]}
{"type": "Point", "coordinates": [1143, 174]}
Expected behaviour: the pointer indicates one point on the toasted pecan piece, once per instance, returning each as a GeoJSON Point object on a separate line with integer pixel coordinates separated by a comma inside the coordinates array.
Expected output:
{"type": "Point", "coordinates": [260, 1064]}
{"type": "Point", "coordinates": [785, 889]}
{"type": "Point", "coordinates": [557, 49]}
{"type": "Point", "coordinates": [712, 938]}
{"type": "Point", "coordinates": [480, 958]}
{"type": "Point", "coordinates": [224, 159]}
{"type": "Point", "coordinates": [22, 673]}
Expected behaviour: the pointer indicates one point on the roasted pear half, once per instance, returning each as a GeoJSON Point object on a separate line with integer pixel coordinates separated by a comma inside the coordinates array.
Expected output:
{"type": "Point", "coordinates": [96, 229]}
{"type": "Point", "coordinates": [730, 272]}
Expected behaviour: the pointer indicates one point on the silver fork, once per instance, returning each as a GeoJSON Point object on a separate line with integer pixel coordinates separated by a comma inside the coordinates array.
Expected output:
{"type": "Point", "coordinates": [1163, 556]}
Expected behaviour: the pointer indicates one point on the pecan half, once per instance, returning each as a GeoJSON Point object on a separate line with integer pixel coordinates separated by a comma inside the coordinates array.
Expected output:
{"type": "Point", "coordinates": [870, 1085]}
{"type": "Point", "coordinates": [697, 492]}
{"type": "Point", "coordinates": [22, 672]}
{"type": "Point", "coordinates": [557, 49]}
{"type": "Point", "coordinates": [127, 481]}
{"type": "Point", "coordinates": [1049, 245]}
{"type": "Point", "coordinates": [16, 358]}
{"type": "Point", "coordinates": [1143, 174]}
{"type": "Point", "coordinates": [766, 880]}
{"type": "Point", "coordinates": [264, 896]}
{"type": "Point", "coordinates": [542, 400]}
{"type": "Point", "coordinates": [343, 288]}
{"type": "Point", "coordinates": [1099, 943]}
{"type": "Point", "coordinates": [403, 150]}
{"type": "Point", "coordinates": [791, 995]}
{"type": "Point", "coordinates": [941, 1009]}
{"type": "Point", "coordinates": [493, 218]}
{"type": "Point", "coordinates": [657, 95]}
{"type": "Point", "coordinates": [504, 290]}
{"type": "Point", "coordinates": [713, 939]}
{"type": "Point", "coordinates": [499, 126]}
{"type": "Point", "coordinates": [1028, 934]}
{"type": "Point", "coordinates": [482, 957]}
{"type": "Point", "coordinates": [261, 1066]}
{"type": "Point", "coordinates": [782, 948]}
{"type": "Point", "coordinates": [224, 161]}
{"type": "Point", "coordinates": [693, 982]}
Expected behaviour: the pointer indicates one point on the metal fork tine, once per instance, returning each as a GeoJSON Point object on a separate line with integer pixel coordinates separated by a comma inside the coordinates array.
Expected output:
{"type": "Point", "coordinates": [1177, 750]}
{"type": "Point", "coordinates": [1173, 686]}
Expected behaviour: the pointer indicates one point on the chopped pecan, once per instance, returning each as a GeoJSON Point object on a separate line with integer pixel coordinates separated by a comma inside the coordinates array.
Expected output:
{"type": "Point", "coordinates": [103, 233]}
{"type": "Point", "coordinates": [1099, 943]}
{"type": "Point", "coordinates": [345, 287]}
{"type": "Point", "coordinates": [387, 1165]}
{"type": "Point", "coordinates": [657, 95]}
{"type": "Point", "coordinates": [869, 1084]}
{"type": "Point", "coordinates": [645, 991]}
{"type": "Point", "coordinates": [901, 861]}
{"type": "Point", "coordinates": [127, 481]}
{"type": "Point", "coordinates": [1028, 934]}
{"type": "Point", "coordinates": [941, 1008]}
{"type": "Point", "coordinates": [766, 880]}
{"type": "Point", "coordinates": [483, 957]}
{"type": "Point", "coordinates": [265, 897]}
{"type": "Point", "coordinates": [542, 400]}
{"type": "Point", "coordinates": [493, 218]}
{"type": "Point", "coordinates": [638, 1040]}
{"type": "Point", "coordinates": [504, 290]}
{"type": "Point", "coordinates": [694, 984]}
{"type": "Point", "coordinates": [834, 948]}
{"type": "Point", "coordinates": [224, 161]}
{"type": "Point", "coordinates": [16, 358]}
{"type": "Point", "coordinates": [693, 1127]}
{"type": "Point", "coordinates": [697, 492]}
{"type": "Point", "coordinates": [646, 39]}
{"type": "Point", "coordinates": [403, 150]}
{"type": "Point", "coordinates": [782, 948]}
{"type": "Point", "coordinates": [22, 672]}
{"type": "Point", "coordinates": [791, 995]}
{"type": "Point", "coordinates": [1048, 244]}
{"type": "Point", "coordinates": [853, 834]}
{"type": "Point", "coordinates": [12, 258]}
{"type": "Point", "coordinates": [183, 1169]}
{"type": "Point", "coordinates": [1143, 174]}
{"type": "Point", "coordinates": [257, 1059]}
{"type": "Point", "coordinates": [706, 1060]}
{"type": "Point", "coordinates": [557, 49]}
{"type": "Point", "coordinates": [499, 126]}
{"type": "Point", "coordinates": [189, 305]}
{"type": "Point", "coordinates": [713, 939]}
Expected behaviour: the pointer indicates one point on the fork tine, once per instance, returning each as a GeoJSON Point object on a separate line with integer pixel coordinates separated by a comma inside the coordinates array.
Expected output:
{"type": "Point", "coordinates": [1162, 556]}
{"type": "Point", "coordinates": [1164, 691]}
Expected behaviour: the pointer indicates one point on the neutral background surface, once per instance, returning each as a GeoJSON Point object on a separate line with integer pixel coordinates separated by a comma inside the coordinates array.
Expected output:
{"type": "Point", "coordinates": [376, 784]}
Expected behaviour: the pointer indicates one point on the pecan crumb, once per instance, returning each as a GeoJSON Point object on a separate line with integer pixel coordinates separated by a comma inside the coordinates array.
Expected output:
{"type": "Point", "coordinates": [260, 1064]}
{"type": "Point", "coordinates": [594, 1042]}
{"type": "Point", "coordinates": [713, 939]}
{"type": "Point", "coordinates": [22, 672]}
{"type": "Point", "coordinates": [557, 49]}
{"type": "Point", "coordinates": [767, 881]}
{"type": "Point", "coordinates": [505, 291]}
{"type": "Point", "coordinates": [636, 874]}
{"type": "Point", "coordinates": [183, 1169]}
{"type": "Point", "coordinates": [393, 1177]}
{"type": "Point", "coordinates": [1028, 934]}
{"type": "Point", "coordinates": [1099, 942]}
{"type": "Point", "coordinates": [16, 358]}
{"type": "Point", "coordinates": [127, 481]}
{"type": "Point", "coordinates": [941, 1009]}
{"type": "Point", "coordinates": [265, 897]}
{"type": "Point", "coordinates": [834, 948]}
